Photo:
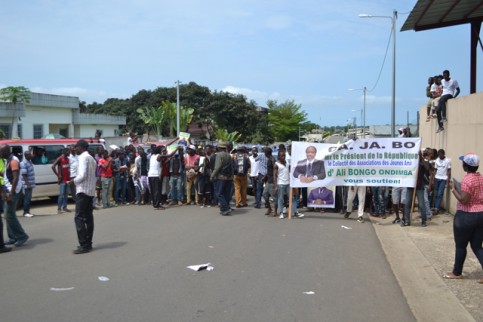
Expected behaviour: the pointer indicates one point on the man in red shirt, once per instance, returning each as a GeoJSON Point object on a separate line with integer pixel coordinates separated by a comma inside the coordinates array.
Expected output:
{"type": "Point", "coordinates": [105, 164]}
{"type": "Point", "coordinates": [61, 168]}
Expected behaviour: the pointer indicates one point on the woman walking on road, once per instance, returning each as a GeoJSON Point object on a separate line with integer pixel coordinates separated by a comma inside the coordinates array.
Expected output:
{"type": "Point", "coordinates": [468, 220]}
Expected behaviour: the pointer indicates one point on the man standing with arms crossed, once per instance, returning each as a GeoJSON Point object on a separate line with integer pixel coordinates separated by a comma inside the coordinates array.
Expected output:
{"type": "Point", "coordinates": [85, 182]}
{"type": "Point", "coordinates": [28, 182]}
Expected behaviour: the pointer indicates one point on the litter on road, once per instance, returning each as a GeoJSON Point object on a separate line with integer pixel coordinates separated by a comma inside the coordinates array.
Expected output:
{"type": "Point", "coordinates": [61, 289]}
{"type": "Point", "coordinates": [201, 267]}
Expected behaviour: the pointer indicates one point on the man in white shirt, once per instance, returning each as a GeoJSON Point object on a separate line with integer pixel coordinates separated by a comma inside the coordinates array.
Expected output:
{"type": "Point", "coordinates": [73, 165]}
{"type": "Point", "coordinates": [442, 177]}
{"type": "Point", "coordinates": [254, 165]}
{"type": "Point", "coordinates": [451, 89]}
{"type": "Point", "coordinates": [85, 182]}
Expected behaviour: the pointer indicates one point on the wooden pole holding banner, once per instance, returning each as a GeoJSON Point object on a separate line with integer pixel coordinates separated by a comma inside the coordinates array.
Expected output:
{"type": "Point", "coordinates": [414, 194]}
{"type": "Point", "coordinates": [290, 195]}
{"type": "Point", "coordinates": [412, 206]}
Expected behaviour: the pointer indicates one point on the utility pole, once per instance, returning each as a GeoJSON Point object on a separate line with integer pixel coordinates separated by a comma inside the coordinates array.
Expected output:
{"type": "Point", "coordinates": [177, 107]}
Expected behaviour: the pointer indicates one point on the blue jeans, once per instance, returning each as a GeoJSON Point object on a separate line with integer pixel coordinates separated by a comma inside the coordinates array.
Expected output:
{"type": "Point", "coordinates": [106, 191]}
{"type": "Point", "coordinates": [386, 197]}
{"type": "Point", "coordinates": [121, 185]}
{"type": "Point", "coordinates": [284, 189]}
{"type": "Point", "coordinates": [223, 193]}
{"type": "Point", "coordinates": [175, 185]}
{"type": "Point", "coordinates": [409, 201]}
{"type": "Point", "coordinates": [27, 198]}
{"type": "Point", "coordinates": [14, 229]}
{"type": "Point", "coordinates": [441, 109]}
{"type": "Point", "coordinates": [63, 196]}
{"type": "Point", "coordinates": [378, 196]}
{"type": "Point", "coordinates": [439, 186]}
{"type": "Point", "coordinates": [426, 200]}
{"type": "Point", "coordinates": [259, 190]}
{"type": "Point", "coordinates": [137, 191]}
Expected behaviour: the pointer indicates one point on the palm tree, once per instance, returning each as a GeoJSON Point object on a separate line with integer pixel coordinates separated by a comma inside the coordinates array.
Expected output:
{"type": "Point", "coordinates": [223, 135]}
{"type": "Point", "coordinates": [154, 117]}
{"type": "Point", "coordinates": [15, 94]}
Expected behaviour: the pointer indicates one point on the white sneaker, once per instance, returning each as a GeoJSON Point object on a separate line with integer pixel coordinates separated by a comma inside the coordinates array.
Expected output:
{"type": "Point", "coordinates": [281, 216]}
{"type": "Point", "coordinates": [28, 215]}
{"type": "Point", "coordinates": [299, 215]}
{"type": "Point", "coordinates": [284, 210]}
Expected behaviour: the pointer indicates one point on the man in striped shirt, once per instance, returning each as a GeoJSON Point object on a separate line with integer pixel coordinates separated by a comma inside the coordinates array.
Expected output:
{"type": "Point", "coordinates": [85, 183]}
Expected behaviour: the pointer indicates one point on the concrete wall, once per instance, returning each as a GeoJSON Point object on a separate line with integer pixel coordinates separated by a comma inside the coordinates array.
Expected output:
{"type": "Point", "coordinates": [463, 133]}
{"type": "Point", "coordinates": [55, 117]}
{"type": "Point", "coordinates": [87, 131]}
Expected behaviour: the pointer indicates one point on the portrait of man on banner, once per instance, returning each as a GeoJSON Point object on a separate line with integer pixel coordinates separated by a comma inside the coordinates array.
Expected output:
{"type": "Point", "coordinates": [310, 169]}
{"type": "Point", "coordinates": [321, 197]}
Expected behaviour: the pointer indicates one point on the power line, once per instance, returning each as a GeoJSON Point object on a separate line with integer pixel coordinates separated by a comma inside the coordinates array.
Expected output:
{"type": "Point", "coordinates": [383, 62]}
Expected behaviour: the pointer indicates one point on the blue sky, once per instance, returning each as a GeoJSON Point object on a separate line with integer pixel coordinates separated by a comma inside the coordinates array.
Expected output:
{"type": "Point", "coordinates": [310, 51]}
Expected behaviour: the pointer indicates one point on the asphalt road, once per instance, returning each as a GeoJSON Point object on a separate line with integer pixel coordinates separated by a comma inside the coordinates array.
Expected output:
{"type": "Point", "coordinates": [262, 267]}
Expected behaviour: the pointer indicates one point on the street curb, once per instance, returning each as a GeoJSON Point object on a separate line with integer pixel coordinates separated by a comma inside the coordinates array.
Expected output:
{"type": "Point", "coordinates": [428, 296]}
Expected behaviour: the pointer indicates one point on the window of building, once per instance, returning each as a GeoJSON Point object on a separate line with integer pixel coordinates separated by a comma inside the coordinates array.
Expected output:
{"type": "Point", "coordinates": [19, 130]}
{"type": "Point", "coordinates": [38, 131]}
{"type": "Point", "coordinates": [6, 129]}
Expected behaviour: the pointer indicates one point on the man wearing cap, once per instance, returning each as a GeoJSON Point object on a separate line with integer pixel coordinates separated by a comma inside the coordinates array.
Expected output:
{"type": "Point", "coordinates": [85, 182]}
{"type": "Point", "coordinates": [242, 163]}
{"type": "Point", "coordinates": [189, 163]}
{"type": "Point", "coordinates": [223, 178]}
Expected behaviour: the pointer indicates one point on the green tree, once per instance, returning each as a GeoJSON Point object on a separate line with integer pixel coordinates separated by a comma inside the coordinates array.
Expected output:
{"type": "Point", "coordinates": [16, 95]}
{"type": "Point", "coordinates": [224, 135]}
{"type": "Point", "coordinates": [216, 109]}
{"type": "Point", "coordinates": [285, 119]}
{"type": "Point", "coordinates": [153, 117]}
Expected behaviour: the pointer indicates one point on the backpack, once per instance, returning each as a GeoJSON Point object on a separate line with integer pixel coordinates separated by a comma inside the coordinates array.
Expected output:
{"type": "Point", "coordinates": [227, 168]}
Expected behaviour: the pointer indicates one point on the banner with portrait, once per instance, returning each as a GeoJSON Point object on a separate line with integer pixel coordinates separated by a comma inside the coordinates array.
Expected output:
{"type": "Point", "coordinates": [364, 162]}
{"type": "Point", "coordinates": [321, 197]}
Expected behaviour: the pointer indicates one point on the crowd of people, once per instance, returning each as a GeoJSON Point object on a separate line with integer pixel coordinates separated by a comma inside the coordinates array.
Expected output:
{"type": "Point", "coordinates": [434, 175]}
{"type": "Point", "coordinates": [174, 176]}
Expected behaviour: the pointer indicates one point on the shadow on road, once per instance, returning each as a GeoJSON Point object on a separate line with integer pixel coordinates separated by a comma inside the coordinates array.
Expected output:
{"type": "Point", "coordinates": [37, 241]}
{"type": "Point", "coordinates": [110, 245]}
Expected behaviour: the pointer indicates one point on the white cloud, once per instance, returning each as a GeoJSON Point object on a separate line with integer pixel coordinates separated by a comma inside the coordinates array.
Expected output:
{"type": "Point", "coordinates": [258, 96]}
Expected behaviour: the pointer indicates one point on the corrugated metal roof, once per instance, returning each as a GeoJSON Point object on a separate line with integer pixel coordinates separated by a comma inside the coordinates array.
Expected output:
{"type": "Point", "coordinates": [431, 14]}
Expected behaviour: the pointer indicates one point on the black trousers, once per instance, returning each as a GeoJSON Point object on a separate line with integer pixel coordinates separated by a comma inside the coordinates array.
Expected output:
{"type": "Point", "coordinates": [84, 219]}
{"type": "Point", "coordinates": [2, 244]}
{"type": "Point", "coordinates": [467, 228]}
{"type": "Point", "coordinates": [155, 187]}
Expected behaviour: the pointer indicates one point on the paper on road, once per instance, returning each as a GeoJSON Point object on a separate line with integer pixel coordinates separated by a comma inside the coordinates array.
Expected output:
{"type": "Point", "coordinates": [201, 267]}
